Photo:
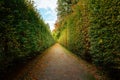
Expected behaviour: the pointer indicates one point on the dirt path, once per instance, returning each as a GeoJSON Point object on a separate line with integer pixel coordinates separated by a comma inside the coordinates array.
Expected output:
{"type": "Point", "coordinates": [56, 63]}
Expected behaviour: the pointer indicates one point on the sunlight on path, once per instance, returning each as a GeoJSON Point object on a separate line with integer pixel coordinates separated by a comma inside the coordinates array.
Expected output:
{"type": "Point", "coordinates": [56, 63]}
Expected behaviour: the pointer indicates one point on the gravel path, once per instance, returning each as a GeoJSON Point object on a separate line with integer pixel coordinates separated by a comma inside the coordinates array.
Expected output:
{"type": "Point", "coordinates": [56, 63]}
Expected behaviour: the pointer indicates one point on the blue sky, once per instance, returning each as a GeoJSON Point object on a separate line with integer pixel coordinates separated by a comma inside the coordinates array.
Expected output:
{"type": "Point", "coordinates": [47, 9]}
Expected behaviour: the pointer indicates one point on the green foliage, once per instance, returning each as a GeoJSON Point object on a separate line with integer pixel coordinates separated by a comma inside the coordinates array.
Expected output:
{"type": "Point", "coordinates": [74, 29]}
{"type": "Point", "coordinates": [64, 7]}
{"type": "Point", "coordinates": [23, 33]}
{"type": "Point", "coordinates": [104, 32]}
{"type": "Point", "coordinates": [92, 31]}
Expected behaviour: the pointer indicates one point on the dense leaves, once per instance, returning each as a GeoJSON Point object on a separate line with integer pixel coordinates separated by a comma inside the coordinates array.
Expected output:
{"type": "Point", "coordinates": [105, 33]}
{"type": "Point", "coordinates": [91, 30]}
{"type": "Point", "coordinates": [72, 30]}
{"type": "Point", "coordinates": [23, 33]}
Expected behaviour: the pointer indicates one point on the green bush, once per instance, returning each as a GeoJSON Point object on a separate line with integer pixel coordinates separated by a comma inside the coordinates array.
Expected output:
{"type": "Point", "coordinates": [74, 29]}
{"type": "Point", "coordinates": [104, 32]}
{"type": "Point", "coordinates": [92, 31]}
{"type": "Point", "coordinates": [23, 32]}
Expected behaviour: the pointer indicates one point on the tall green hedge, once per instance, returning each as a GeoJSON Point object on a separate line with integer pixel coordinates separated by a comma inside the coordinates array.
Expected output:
{"type": "Point", "coordinates": [92, 31]}
{"type": "Point", "coordinates": [73, 29]}
{"type": "Point", "coordinates": [105, 32]}
{"type": "Point", "coordinates": [23, 32]}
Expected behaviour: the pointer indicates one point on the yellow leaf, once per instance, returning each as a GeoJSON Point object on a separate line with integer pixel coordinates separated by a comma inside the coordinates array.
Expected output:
{"type": "Point", "coordinates": [100, 41]}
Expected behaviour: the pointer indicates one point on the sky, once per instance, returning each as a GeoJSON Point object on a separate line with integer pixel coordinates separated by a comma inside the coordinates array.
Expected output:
{"type": "Point", "coordinates": [47, 9]}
